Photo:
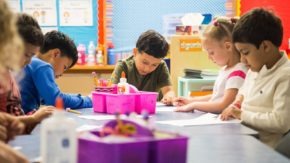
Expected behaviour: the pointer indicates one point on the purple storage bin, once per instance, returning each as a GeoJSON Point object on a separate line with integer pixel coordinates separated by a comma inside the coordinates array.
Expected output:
{"type": "Point", "coordinates": [100, 152]}
{"type": "Point", "coordinates": [173, 150]}
{"type": "Point", "coordinates": [147, 150]}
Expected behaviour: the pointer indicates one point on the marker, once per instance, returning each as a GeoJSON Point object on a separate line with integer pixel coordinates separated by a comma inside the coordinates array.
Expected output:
{"type": "Point", "coordinates": [73, 111]}
{"type": "Point", "coordinates": [95, 79]}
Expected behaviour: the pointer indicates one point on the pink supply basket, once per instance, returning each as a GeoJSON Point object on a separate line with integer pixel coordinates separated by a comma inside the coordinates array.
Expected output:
{"type": "Point", "coordinates": [124, 103]}
{"type": "Point", "coordinates": [111, 89]}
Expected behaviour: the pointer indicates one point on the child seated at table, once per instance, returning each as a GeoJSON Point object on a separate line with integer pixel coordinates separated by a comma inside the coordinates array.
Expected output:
{"type": "Point", "coordinates": [145, 69]}
{"type": "Point", "coordinates": [38, 86]}
{"type": "Point", "coordinates": [217, 41]}
{"type": "Point", "coordinates": [263, 102]}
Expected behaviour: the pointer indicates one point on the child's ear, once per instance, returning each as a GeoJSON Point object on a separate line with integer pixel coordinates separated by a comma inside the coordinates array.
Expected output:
{"type": "Point", "coordinates": [266, 45]}
{"type": "Point", "coordinates": [56, 53]}
{"type": "Point", "coordinates": [228, 45]}
{"type": "Point", "coordinates": [135, 50]}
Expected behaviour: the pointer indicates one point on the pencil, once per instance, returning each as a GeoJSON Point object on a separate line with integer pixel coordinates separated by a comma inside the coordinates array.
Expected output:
{"type": "Point", "coordinates": [73, 111]}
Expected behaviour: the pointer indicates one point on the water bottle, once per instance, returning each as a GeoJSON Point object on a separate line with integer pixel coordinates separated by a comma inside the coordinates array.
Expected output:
{"type": "Point", "coordinates": [81, 54]}
{"type": "Point", "coordinates": [91, 53]}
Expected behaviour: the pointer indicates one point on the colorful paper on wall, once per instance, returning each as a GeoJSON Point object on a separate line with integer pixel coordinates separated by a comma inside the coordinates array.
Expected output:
{"type": "Point", "coordinates": [75, 12]}
{"type": "Point", "coordinates": [44, 11]}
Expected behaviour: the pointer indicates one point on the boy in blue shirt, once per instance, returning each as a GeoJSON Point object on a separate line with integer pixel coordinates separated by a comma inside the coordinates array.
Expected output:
{"type": "Point", "coordinates": [38, 85]}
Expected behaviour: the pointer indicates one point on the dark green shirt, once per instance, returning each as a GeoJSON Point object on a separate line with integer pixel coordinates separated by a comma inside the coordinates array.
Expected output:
{"type": "Point", "coordinates": [151, 82]}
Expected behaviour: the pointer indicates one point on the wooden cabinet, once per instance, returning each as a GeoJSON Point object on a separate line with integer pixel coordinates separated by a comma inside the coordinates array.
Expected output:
{"type": "Point", "coordinates": [78, 79]}
{"type": "Point", "coordinates": [186, 52]}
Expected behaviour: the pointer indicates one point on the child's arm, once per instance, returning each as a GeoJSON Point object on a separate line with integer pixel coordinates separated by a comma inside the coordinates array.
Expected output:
{"type": "Point", "coordinates": [116, 75]}
{"type": "Point", "coordinates": [233, 110]}
{"type": "Point", "coordinates": [10, 126]}
{"type": "Point", "coordinates": [48, 90]}
{"type": "Point", "coordinates": [211, 106]}
{"type": "Point", "coordinates": [180, 101]}
{"type": "Point", "coordinates": [168, 95]}
{"type": "Point", "coordinates": [10, 155]}
{"type": "Point", "coordinates": [277, 120]}
{"type": "Point", "coordinates": [31, 121]}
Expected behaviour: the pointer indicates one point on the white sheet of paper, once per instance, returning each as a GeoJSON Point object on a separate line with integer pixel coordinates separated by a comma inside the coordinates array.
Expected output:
{"type": "Point", "coordinates": [158, 104]}
{"type": "Point", "coordinates": [165, 109]}
{"type": "Point", "coordinates": [36, 160]}
{"type": "Point", "coordinates": [98, 117]}
{"type": "Point", "coordinates": [206, 119]}
{"type": "Point", "coordinates": [88, 128]}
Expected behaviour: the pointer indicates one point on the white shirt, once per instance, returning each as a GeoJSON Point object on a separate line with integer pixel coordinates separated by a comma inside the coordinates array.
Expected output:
{"type": "Point", "coordinates": [227, 79]}
{"type": "Point", "coordinates": [266, 105]}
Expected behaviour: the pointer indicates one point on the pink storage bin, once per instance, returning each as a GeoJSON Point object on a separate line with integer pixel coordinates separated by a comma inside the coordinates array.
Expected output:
{"type": "Point", "coordinates": [145, 101]}
{"type": "Point", "coordinates": [122, 103]}
{"type": "Point", "coordinates": [113, 89]}
{"type": "Point", "coordinates": [99, 102]}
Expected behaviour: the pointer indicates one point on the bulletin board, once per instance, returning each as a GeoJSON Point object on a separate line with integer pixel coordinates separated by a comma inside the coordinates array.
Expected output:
{"type": "Point", "coordinates": [82, 25]}
{"type": "Point", "coordinates": [132, 17]}
{"type": "Point", "coordinates": [280, 7]}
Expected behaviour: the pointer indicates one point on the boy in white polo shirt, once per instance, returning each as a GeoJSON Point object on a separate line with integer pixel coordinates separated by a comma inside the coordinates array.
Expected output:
{"type": "Point", "coordinates": [266, 91]}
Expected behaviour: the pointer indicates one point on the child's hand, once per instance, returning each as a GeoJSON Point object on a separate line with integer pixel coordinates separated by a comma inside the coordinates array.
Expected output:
{"type": "Point", "coordinates": [16, 127]}
{"type": "Point", "coordinates": [184, 108]}
{"type": "Point", "coordinates": [180, 101]}
{"type": "Point", "coordinates": [231, 112]}
{"type": "Point", "coordinates": [43, 113]}
{"type": "Point", "coordinates": [3, 133]}
{"type": "Point", "coordinates": [227, 113]}
{"type": "Point", "coordinates": [9, 155]}
{"type": "Point", "coordinates": [10, 126]}
{"type": "Point", "coordinates": [167, 100]}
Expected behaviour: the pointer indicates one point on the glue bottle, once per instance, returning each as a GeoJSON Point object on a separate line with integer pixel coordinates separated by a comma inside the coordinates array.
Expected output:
{"type": "Point", "coordinates": [123, 86]}
{"type": "Point", "coordinates": [58, 137]}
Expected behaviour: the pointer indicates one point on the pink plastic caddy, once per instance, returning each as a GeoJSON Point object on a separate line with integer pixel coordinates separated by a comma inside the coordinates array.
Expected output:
{"type": "Point", "coordinates": [124, 103]}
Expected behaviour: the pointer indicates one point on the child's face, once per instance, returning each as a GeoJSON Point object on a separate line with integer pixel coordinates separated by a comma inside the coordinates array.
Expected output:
{"type": "Point", "coordinates": [61, 64]}
{"type": "Point", "coordinates": [145, 63]}
{"type": "Point", "coordinates": [217, 51]}
{"type": "Point", "coordinates": [251, 56]}
{"type": "Point", "coordinates": [30, 51]}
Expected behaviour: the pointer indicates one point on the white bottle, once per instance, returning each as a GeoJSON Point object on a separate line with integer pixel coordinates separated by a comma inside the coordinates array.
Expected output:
{"type": "Point", "coordinates": [58, 138]}
{"type": "Point", "coordinates": [99, 57]}
{"type": "Point", "coordinates": [91, 53]}
{"type": "Point", "coordinates": [123, 86]}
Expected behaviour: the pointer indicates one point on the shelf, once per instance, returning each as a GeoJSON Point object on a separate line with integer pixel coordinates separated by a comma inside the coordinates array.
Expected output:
{"type": "Point", "coordinates": [91, 68]}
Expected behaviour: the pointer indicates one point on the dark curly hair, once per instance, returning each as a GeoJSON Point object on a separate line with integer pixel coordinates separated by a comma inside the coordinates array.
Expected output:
{"type": "Point", "coordinates": [29, 29]}
{"type": "Point", "coordinates": [258, 25]}
{"type": "Point", "coordinates": [59, 40]}
{"type": "Point", "coordinates": [152, 43]}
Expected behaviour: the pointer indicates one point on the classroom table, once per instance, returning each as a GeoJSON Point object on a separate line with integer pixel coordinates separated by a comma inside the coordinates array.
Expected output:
{"type": "Point", "coordinates": [209, 143]}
